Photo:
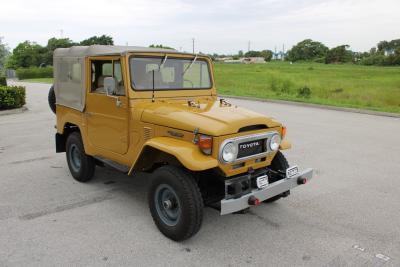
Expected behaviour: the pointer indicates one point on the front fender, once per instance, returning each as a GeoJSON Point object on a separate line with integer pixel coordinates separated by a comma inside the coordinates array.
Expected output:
{"type": "Point", "coordinates": [188, 154]}
{"type": "Point", "coordinates": [285, 144]}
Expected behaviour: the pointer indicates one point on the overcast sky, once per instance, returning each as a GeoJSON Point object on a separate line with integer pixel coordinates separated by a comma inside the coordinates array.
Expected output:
{"type": "Point", "coordinates": [217, 26]}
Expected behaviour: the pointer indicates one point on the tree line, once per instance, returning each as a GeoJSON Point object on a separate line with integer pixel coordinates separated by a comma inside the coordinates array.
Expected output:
{"type": "Point", "coordinates": [30, 54]}
{"type": "Point", "coordinates": [386, 53]}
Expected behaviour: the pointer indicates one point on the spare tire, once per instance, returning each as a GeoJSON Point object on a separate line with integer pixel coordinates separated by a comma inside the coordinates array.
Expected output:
{"type": "Point", "coordinates": [52, 99]}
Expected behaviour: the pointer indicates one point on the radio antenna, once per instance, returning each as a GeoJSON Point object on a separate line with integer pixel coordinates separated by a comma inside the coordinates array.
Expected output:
{"type": "Point", "coordinates": [152, 97]}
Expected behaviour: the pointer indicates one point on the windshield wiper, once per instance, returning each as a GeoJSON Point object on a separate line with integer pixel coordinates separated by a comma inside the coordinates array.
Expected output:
{"type": "Point", "coordinates": [191, 64]}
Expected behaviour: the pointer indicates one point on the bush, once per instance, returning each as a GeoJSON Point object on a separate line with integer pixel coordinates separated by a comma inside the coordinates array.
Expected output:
{"type": "Point", "coordinates": [12, 97]}
{"type": "Point", "coordinates": [34, 72]}
{"type": "Point", "coordinates": [3, 81]}
{"type": "Point", "coordinates": [304, 92]}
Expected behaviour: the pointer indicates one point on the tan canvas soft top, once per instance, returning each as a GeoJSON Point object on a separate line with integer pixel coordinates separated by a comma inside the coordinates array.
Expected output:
{"type": "Point", "coordinates": [69, 69]}
{"type": "Point", "coordinates": [99, 50]}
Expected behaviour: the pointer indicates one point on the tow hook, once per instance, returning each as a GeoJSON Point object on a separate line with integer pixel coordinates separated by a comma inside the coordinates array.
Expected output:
{"type": "Point", "coordinates": [253, 201]}
{"type": "Point", "coordinates": [301, 180]}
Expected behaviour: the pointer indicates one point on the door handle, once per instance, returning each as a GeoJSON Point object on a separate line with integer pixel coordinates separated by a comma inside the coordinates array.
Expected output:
{"type": "Point", "coordinates": [118, 102]}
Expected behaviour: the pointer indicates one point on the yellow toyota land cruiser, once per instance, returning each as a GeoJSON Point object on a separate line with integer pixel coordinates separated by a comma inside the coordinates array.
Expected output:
{"type": "Point", "coordinates": [157, 110]}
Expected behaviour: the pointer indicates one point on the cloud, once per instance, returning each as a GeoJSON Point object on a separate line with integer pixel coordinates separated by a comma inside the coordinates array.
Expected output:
{"type": "Point", "coordinates": [217, 26]}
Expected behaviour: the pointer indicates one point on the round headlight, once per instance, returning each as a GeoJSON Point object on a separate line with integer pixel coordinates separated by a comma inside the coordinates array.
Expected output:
{"type": "Point", "coordinates": [229, 152]}
{"type": "Point", "coordinates": [275, 142]}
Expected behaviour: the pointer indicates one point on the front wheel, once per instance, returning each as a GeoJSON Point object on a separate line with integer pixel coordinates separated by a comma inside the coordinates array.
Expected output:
{"type": "Point", "coordinates": [175, 203]}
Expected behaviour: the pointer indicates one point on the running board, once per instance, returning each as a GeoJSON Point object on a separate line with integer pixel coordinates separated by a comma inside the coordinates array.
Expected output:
{"type": "Point", "coordinates": [113, 164]}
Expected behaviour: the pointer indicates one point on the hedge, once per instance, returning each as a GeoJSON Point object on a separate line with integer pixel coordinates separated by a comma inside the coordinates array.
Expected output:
{"type": "Point", "coordinates": [12, 97]}
{"type": "Point", "coordinates": [34, 72]}
{"type": "Point", "coordinates": [3, 81]}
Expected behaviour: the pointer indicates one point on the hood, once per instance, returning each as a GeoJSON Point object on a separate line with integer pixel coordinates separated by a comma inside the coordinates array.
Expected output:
{"type": "Point", "coordinates": [211, 117]}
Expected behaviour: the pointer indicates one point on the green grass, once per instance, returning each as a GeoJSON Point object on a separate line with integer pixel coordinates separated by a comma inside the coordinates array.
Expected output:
{"type": "Point", "coordinates": [365, 87]}
{"type": "Point", "coordinates": [39, 80]}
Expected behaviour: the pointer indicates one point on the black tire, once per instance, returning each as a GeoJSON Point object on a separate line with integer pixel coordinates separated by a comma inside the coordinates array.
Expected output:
{"type": "Point", "coordinates": [52, 99]}
{"type": "Point", "coordinates": [185, 197]}
{"type": "Point", "coordinates": [80, 165]}
{"type": "Point", "coordinates": [279, 163]}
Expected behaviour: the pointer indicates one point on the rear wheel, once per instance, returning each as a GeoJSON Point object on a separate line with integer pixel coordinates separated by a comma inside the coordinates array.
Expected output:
{"type": "Point", "coordinates": [175, 202]}
{"type": "Point", "coordinates": [279, 163]}
{"type": "Point", "coordinates": [80, 165]}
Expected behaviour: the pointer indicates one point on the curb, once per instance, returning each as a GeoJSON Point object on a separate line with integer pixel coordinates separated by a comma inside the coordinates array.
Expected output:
{"type": "Point", "coordinates": [310, 105]}
{"type": "Point", "coordinates": [13, 111]}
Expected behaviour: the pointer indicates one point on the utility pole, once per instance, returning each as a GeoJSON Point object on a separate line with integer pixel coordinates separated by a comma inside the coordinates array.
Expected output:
{"type": "Point", "coordinates": [193, 44]}
{"type": "Point", "coordinates": [248, 46]}
{"type": "Point", "coordinates": [283, 52]}
{"type": "Point", "coordinates": [61, 33]}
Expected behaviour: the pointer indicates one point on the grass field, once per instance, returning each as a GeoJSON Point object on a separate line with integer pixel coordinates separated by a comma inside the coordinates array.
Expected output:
{"type": "Point", "coordinates": [365, 87]}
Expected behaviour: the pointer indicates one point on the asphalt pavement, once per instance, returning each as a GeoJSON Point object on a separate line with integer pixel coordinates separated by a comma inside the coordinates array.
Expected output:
{"type": "Point", "coordinates": [348, 215]}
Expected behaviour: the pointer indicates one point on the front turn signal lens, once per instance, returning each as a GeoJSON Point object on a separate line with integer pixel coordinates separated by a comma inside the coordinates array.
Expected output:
{"type": "Point", "coordinates": [283, 132]}
{"type": "Point", "coordinates": [205, 144]}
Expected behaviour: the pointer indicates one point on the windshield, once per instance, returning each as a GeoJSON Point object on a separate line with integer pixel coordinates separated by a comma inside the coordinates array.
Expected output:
{"type": "Point", "coordinates": [169, 73]}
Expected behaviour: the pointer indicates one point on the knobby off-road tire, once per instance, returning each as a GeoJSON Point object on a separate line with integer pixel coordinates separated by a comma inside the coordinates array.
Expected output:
{"type": "Point", "coordinates": [175, 203]}
{"type": "Point", "coordinates": [80, 165]}
{"type": "Point", "coordinates": [52, 99]}
{"type": "Point", "coordinates": [279, 163]}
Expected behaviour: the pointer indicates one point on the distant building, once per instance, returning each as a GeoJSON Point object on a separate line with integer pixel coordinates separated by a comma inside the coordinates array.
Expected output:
{"type": "Point", "coordinates": [253, 60]}
{"type": "Point", "coordinates": [389, 52]}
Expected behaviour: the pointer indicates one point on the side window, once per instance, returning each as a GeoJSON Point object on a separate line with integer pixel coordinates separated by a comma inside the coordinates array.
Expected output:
{"type": "Point", "coordinates": [76, 73]}
{"type": "Point", "coordinates": [106, 68]}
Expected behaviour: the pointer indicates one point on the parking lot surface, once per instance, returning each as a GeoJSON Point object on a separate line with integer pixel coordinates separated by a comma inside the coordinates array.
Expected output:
{"type": "Point", "coordinates": [348, 215]}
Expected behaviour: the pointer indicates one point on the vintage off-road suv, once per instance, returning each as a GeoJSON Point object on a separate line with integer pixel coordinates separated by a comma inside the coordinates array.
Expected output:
{"type": "Point", "coordinates": [157, 110]}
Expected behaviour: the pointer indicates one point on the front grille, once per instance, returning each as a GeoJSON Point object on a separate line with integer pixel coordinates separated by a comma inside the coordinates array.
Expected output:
{"type": "Point", "coordinates": [250, 148]}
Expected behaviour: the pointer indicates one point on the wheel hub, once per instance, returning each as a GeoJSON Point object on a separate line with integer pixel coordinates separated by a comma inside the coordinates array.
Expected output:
{"type": "Point", "coordinates": [167, 204]}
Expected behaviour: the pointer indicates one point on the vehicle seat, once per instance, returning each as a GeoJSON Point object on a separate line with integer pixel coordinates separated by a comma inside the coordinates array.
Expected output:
{"type": "Point", "coordinates": [100, 85]}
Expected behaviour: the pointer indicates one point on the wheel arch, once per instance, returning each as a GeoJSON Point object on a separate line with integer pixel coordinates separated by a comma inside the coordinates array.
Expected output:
{"type": "Point", "coordinates": [165, 150]}
{"type": "Point", "coordinates": [61, 137]}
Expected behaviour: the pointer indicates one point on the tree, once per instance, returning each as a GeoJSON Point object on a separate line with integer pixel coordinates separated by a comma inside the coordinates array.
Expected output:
{"type": "Point", "coordinates": [4, 53]}
{"type": "Point", "coordinates": [266, 54]}
{"type": "Point", "coordinates": [161, 46]}
{"type": "Point", "coordinates": [240, 53]}
{"type": "Point", "coordinates": [252, 53]}
{"type": "Point", "coordinates": [53, 44]}
{"type": "Point", "coordinates": [26, 54]}
{"type": "Point", "coordinates": [339, 54]}
{"type": "Point", "coordinates": [98, 40]}
{"type": "Point", "coordinates": [307, 50]}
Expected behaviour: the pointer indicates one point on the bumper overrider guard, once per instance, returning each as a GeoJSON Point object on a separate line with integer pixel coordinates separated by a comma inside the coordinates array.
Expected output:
{"type": "Point", "coordinates": [248, 195]}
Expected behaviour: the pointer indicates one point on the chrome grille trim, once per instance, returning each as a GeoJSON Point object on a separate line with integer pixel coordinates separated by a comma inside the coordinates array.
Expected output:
{"type": "Point", "coordinates": [247, 138]}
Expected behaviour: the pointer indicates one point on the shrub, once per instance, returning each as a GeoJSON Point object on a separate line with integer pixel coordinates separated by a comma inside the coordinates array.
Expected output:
{"type": "Point", "coordinates": [34, 72]}
{"type": "Point", "coordinates": [12, 97]}
{"type": "Point", "coordinates": [3, 81]}
{"type": "Point", "coordinates": [304, 91]}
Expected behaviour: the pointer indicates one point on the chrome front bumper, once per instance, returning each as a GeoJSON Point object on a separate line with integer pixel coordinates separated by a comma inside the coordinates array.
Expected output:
{"type": "Point", "coordinates": [276, 188]}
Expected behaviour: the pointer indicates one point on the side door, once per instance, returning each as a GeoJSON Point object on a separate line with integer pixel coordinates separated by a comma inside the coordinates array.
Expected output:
{"type": "Point", "coordinates": [107, 115]}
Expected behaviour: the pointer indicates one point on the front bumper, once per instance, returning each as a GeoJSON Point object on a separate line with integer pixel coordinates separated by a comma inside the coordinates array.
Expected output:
{"type": "Point", "coordinates": [274, 189]}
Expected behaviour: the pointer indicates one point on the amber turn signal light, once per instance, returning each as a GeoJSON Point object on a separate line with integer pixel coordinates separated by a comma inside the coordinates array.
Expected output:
{"type": "Point", "coordinates": [205, 144]}
{"type": "Point", "coordinates": [283, 131]}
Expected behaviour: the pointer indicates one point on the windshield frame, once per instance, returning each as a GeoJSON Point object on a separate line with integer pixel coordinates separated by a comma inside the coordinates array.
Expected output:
{"type": "Point", "coordinates": [171, 56]}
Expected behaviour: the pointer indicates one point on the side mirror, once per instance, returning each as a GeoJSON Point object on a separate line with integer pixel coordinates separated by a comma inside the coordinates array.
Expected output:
{"type": "Point", "coordinates": [110, 85]}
